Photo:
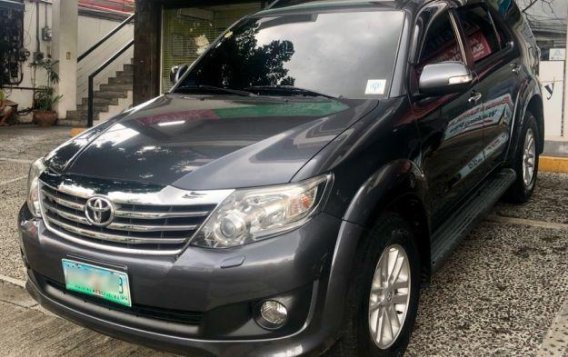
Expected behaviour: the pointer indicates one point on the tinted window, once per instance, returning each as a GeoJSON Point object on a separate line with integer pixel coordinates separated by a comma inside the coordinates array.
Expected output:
{"type": "Point", "coordinates": [440, 44]}
{"type": "Point", "coordinates": [503, 36]}
{"type": "Point", "coordinates": [347, 55]}
{"type": "Point", "coordinates": [480, 32]}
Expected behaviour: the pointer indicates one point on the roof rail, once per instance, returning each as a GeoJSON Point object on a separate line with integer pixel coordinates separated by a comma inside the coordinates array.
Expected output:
{"type": "Point", "coordinates": [286, 2]}
{"type": "Point", "coordinates": [271, 5]}
{"type": "Point", "coordinates": [282, 3]}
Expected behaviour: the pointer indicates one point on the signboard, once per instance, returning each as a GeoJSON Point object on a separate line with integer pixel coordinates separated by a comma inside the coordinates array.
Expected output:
{"type": "Point", "coordinates": [552, 80]}
{"type": "Point", "coordinates": [557, 54]}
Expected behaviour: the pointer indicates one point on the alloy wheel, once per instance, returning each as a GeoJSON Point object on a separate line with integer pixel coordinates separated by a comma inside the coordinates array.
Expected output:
{"type": "Point", "coordinates": [390, 296]}
{"type": "Point", "coordinates": [529, 158]}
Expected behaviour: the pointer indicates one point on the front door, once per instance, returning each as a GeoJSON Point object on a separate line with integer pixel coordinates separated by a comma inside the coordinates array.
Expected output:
{"type": "Point", "coordinates": [451, 126]}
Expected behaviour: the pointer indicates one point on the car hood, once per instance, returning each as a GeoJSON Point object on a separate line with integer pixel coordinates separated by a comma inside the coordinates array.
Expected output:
{"type": "Point", "coordinates": [203, 143]}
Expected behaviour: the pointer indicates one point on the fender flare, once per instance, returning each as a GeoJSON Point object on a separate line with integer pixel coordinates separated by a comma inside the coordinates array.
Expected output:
{"type": "Point", "coordinates": [393, 180]}
{"type": "Point", "coordinates": [531, 92]}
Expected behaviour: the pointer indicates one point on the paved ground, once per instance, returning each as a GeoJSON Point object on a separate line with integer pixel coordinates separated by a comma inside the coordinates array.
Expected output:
{"type": "Point", "coordinates": [502, 293]}
{"type": "Point", "coordinates": [33, 333]}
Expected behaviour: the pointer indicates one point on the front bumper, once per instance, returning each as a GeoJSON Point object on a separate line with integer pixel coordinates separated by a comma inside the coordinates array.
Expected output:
{"type": "Point", "coordinates": [202, 302]}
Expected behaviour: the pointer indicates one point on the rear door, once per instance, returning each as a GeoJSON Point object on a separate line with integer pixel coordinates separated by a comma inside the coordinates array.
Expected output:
{"type": "Point", "coordinates": [497, 64]}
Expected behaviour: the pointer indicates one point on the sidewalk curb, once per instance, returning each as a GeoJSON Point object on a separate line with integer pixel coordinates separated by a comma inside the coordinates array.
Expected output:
{"type": "Point", "coordinates": [553, 164]}
{"type": "Point", "coordinates": [13, 281]}
{"type": "Point", "coordinates": [21, 284]}
{"type": "Point", "coordinates": [555, 342]}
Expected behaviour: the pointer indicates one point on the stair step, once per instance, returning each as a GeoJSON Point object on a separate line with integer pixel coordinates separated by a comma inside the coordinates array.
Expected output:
{"type": "Point", "coordinates": [116, 87]}
{"type": "Point", "coordinates": [121, 80]}
{"type": "Point", "coordinates": [111, 94]}
{"type": "Point", "coordinates": [447, 237]}
{"type": "Point", "coordinates": [107, 95]}
{"type": "Point", "coordinates": [126, 72]}
{"type": "Point", "coordinates": [74, 115]}
{"type": "Point", "coordinates": [100, 101]}
{"type": "Point", "coordinates": [98, 108]}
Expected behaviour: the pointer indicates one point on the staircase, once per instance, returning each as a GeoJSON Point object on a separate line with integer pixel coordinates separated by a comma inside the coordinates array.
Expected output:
{"type": "Point", "coordinates": [110, 99]}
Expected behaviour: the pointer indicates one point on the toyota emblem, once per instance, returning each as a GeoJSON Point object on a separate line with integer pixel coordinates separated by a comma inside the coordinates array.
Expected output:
{"type": "Point", "coordinates": [99, 211]}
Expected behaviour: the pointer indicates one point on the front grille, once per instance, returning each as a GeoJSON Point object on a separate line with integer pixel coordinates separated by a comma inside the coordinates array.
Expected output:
{"type": "Point", "coordinates": [135, 226]}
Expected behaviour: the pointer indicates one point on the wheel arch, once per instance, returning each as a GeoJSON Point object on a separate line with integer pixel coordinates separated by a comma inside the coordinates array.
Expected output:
{"type": "Point", "coordinates": [536, 108]}
{"type": "Point", "coordinates": [399, 187]}
{"type": "Point", "coordinates": [412, 210]}
{"type": "Point", "coordinates": [532, 102]}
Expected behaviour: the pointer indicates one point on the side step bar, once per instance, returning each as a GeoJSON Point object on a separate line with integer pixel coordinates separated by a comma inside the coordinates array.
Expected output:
{"type": "Point", "coordinates": [448, 236]}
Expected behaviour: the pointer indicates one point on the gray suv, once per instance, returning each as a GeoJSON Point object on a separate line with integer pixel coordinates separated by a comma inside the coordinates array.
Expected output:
{"type": "Point", "coordinates": [300, 182]}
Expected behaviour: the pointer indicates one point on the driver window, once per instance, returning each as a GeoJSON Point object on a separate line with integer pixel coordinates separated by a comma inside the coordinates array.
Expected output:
{"type": "Point", "coordinates": [440, 44]}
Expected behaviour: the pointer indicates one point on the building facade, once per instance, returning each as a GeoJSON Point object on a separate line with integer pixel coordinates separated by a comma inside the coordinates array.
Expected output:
{"type": "Point", "coordinates": [172, 32]}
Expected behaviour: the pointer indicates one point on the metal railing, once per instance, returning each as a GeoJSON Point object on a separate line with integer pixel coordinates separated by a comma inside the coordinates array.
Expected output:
{"type": "Point", "coordinates": [106, 37]}
{"type": "Point", "coordinates": [90, 102]}
{"type": "Point", "coordinates": [99, 69]}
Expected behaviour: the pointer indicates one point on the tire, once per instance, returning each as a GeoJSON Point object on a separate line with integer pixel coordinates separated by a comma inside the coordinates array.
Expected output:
{"type": "Point", "coordinates": [523, 187]}
{"type": "Point", "coordinates": [357, 337]}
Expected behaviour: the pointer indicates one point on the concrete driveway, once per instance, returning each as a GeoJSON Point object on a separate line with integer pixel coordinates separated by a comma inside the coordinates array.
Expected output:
{"type": "Point", "coordinates": [504, 292]}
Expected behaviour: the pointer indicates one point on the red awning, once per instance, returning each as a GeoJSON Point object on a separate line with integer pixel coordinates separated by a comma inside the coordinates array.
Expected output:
{"type": "Point", "coordinates": [116, 6]}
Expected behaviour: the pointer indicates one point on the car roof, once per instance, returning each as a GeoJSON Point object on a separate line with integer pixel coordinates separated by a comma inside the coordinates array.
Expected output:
{"type": "Point", "coordinates": [283, 6]}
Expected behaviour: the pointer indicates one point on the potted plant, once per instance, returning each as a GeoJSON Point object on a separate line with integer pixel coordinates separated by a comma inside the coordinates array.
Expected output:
{"type": "Point", "coordinates": [8, 110]}
{"type": "Point", "coordinates": [45, 97]}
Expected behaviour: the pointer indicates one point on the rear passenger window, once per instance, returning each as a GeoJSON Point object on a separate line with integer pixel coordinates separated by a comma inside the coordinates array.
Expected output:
{"type": "Point", "coordinates": [440, 44]}
{"type": "Point", "coordinates": [480, 31]}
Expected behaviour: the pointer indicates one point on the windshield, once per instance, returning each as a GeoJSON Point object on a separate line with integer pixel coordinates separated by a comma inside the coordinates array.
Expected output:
{"type": "Point", "coordinates": [348, 55]}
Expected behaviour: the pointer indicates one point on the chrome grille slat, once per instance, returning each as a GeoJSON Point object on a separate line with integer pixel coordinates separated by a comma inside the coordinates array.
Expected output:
{"type": "Point", "coordinates": [113, 237]}
{"type": "Point", "coordinates": [143, 223]}
{"type": "Point", "coordinates": [149, 228]}
{"type": "Point", "coordinates": [121, 226]}
{"type": "Point", "coordinates": [159, 215]}
{"type": "Point", "coordinates": [64, 202]}
{"type": "Point", "coordinates": [67, 215]}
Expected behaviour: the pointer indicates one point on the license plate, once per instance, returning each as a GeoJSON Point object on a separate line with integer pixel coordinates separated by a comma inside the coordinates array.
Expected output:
{"type": "Point", "coordinates": [92, 280]}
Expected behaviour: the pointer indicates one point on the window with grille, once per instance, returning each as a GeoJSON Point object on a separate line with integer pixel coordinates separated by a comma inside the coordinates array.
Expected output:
{"type": "Point", "coordinates": [187, 32]}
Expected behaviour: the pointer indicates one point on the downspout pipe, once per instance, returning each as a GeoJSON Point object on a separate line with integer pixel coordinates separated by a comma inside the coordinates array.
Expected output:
{"type": "Point", "coordinates": [38, 46]}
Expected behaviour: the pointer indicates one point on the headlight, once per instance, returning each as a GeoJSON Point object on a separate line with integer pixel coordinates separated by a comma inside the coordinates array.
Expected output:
{"type": "Point", "coordinates": [250, 215]}
{"type": "Point", "coordinates": [36, 170]}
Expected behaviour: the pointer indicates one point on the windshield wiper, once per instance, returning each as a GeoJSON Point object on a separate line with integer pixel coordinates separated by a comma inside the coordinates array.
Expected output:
{"type": "Point", "coordinates": [206, 87]}
{"type": "Point", "coordinates": [290, 90]}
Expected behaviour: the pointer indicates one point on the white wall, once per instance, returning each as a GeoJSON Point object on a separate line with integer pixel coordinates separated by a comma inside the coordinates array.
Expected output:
{"type": "Point", "coordinates": [25, 97]}
{"type": "Point", "coordinates": [555, 9]}
{"type": "Point", "coordinates": [89, 32]}
{"type": "Point", "coordinates": [552, 80]}
{"type": "Point", "coordinates": [65, 23]}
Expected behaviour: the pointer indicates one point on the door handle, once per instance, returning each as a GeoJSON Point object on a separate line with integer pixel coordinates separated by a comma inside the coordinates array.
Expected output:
{"type": "Point", "coordinates": [475, 97]}
{"type": "Point", "coordinates": [516, 68]}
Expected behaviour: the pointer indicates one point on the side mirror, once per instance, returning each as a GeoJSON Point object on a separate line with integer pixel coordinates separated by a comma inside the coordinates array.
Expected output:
{"type": "Point", "coordinates": [177, 72]}
{"type": "Point", "coordinates": [445, 78]}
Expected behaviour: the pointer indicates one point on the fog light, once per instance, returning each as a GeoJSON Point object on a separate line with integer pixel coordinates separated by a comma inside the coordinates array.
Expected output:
{"type": "Point", "coordinates": [272, 315]}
